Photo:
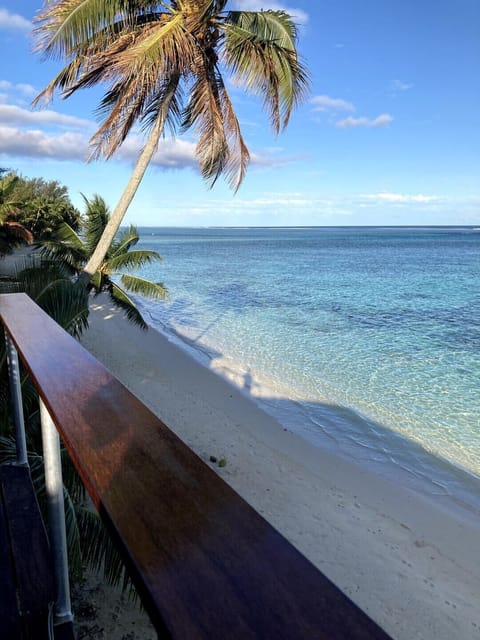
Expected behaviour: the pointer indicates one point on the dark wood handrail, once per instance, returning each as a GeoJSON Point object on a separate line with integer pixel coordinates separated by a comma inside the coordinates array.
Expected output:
{"type": "Point", "coordinates": [206, 564]}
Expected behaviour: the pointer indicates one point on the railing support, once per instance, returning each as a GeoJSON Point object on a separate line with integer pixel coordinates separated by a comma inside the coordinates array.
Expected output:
{"type": "Point", "coordinates": [17, 406]}
{"type": "Point", "coordinates": [56, 515]}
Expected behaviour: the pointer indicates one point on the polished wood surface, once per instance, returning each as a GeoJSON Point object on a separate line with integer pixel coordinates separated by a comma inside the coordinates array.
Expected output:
{"type": "Point", "coordinates": [206, 564]}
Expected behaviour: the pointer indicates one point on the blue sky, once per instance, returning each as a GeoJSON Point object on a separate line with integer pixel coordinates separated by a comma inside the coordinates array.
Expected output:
{"type": "Point", "coordinates": [389, 135]}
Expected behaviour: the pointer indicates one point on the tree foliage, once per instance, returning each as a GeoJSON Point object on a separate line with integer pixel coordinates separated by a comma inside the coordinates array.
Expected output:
{"type": "Point", "coordinates": [72, 249]}
{"type": "Point", "coordinates": [165, 62]}
{"type": "Point", "coordinates": [12, 232]}
{"type": "Point", "coordinates": [43, 206]}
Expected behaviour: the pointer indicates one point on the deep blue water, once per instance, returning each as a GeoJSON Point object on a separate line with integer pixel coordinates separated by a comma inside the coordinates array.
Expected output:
{"type": "Point", "coordinates": [363, 339]}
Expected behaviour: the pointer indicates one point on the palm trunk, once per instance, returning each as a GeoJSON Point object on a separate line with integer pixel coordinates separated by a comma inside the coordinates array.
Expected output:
{"type": "Point", "coordinates": [98, 256]}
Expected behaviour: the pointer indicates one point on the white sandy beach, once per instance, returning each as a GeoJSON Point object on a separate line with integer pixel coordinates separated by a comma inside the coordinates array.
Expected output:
{"type": "Point", "coordinates": [413, 565]}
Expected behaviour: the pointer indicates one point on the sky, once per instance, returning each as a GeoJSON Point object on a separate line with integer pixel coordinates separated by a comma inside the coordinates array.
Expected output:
{"type": "Point", "coordinates": [388, 135]}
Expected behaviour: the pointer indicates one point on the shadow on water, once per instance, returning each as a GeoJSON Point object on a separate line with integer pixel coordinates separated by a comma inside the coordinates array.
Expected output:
{"type": "Point", "coordinates": [339, 429]}
{"type": "Point", "coordinates": [350, 435]}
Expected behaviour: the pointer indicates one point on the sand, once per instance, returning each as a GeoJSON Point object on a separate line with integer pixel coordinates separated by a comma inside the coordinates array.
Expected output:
{"type": "Point", "coordinates": [410, 561]}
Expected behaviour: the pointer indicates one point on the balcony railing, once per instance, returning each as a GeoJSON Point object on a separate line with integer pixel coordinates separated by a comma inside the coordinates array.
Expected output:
{"type": "Point", "coordinates": [205, 563]}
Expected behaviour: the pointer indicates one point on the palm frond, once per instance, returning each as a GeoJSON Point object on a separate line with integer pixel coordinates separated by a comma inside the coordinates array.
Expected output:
{"type": "Point", "coordinates": [145, 78]}
{"type": "Point", "coordinates": [97, 281]}
{"type": "Point", "coordinates": [204, 110]}
{"type": "Point", "coordinates": [97, 214]}
{"type": "Point", "coordinates": [68, 305]}
{"type": "Point", "coordinates": [65, 247]}
{"type": "Point", "coordinates": [98, 551]}
{"type": "Point", "coordinates": [221, 147]}
{"type": "Point", "coordinates": [260, 49]}
{"type": "Point", "coordinates": [123, 241]}
{"type": "Point", "coordinates": [17, 232]}
{"type": "Point", "coordinates": [65, 25]}
{"type": "Point", "coordinates": [122, 300]}
{"type": "Point", "coordinates": [75, 560]}
{"type": "Point", "coordinates": [155, 290]}
{"type": "Point", "coordinates": [134, 259]}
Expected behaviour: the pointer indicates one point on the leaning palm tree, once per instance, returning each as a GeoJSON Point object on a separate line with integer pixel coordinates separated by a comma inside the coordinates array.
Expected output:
{"type": "Point", "coordinates": [73, 249]}
{"type": "Point", "coordinates": [163, 62]}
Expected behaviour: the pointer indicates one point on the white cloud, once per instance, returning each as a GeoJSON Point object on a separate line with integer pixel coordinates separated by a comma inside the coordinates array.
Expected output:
{"type": "Point", "coordinates": [380, 121]}
{"type": "Point", "coordinates": [11, 114]}
{"type": "Point", "coordinates": [399, 198]}
{"type": "Point", "coordinates": [326, 103]}
{"type": "Point", "coordinates": [13, 21]}
{"type": "Point", "coordinates": [299, 15]}
{"type": "Point", "coordinates": [26, 89]}
{"type": "Point", "coordinates": [21, 87]}
{"type": "Point", "coordinates": [171, 153]}
{"type": "Point", "coordinates": [37, 144]}
{"type": "Point", "coordinates": [73, 146]}
{"type": "Point", "coordinates": [399, 85]}
{"type": "Point", "coordinates": [285, 204]}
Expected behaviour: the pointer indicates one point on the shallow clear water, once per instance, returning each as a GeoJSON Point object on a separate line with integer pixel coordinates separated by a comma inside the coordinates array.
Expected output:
{"type": "Point", "coordinates": [363, 339]}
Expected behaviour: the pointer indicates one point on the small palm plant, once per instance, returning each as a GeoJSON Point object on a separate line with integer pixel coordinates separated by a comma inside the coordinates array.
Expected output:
{"type": "Point", "coordinates": [73, 249]}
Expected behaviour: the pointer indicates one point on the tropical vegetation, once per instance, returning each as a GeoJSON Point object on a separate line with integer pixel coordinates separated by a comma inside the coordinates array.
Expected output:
{"type": "Point", "coordinates": [12, 232]}
{"type": "Point", "coordinates": [165, 62]}
{"type": "Point", "coordinates": [32, 209]}
{"type": "Point", "coordinates": [72, 249]}
{"type": "Point", "coordinates": [52, 284]}
{"type": "Point", "coordinates": [43, 206]}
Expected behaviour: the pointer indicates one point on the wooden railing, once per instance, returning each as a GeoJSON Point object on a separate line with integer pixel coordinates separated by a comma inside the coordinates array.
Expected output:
{"type": "Point", "coordinates": [205, 563]}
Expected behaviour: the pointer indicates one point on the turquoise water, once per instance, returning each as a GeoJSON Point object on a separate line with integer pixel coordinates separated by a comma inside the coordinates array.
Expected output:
{"type": "Point", "coordinates": [366, 340]}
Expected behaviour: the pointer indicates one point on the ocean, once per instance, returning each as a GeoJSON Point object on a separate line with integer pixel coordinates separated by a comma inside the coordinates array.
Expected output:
{"type": "Point", "coordinates": [365, 341]}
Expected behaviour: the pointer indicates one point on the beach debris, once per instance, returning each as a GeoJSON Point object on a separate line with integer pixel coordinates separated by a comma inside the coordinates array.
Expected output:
{"type": "Point", "coordinates": [222, 462]}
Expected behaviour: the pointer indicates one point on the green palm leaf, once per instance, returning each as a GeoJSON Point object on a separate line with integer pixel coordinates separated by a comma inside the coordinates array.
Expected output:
{"type": "Point", "coordinates": [134, 259]}
{"type": "Point", "coordinates": [144, 287]}
{"type": "Point", "coordinates": [122, 300]}
{"type": "Point", "coordinates": [96, 218]}
{"type": "Point", "coordinates": [66, 247]}
{"type": "Point", "coordinates": [123, 241]}
{"type": "Point", "coordinates": [66, 26]}
{"type": "Point", "coordinates": [260, 50]}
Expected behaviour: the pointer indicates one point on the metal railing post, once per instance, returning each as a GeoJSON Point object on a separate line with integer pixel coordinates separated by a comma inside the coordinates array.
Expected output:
{"type": "Point", "coordinates": [56, 515]}
{"type": "Point", "coordinates": [17, 406]}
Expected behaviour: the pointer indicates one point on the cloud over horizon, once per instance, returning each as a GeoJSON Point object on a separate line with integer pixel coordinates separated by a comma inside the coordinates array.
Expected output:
{"type": "Point", "coordinates": [399, 198]}
{"type": "Point", "coordinates": [172, 153]}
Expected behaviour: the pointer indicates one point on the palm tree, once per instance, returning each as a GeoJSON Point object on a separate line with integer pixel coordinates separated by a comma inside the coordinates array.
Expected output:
{"type": "Point", "coordinates": [153, 53]}
{"type": "Point", "coordinates": [12, 233]}
{"type": "Point", "coordinates": [72, 249]}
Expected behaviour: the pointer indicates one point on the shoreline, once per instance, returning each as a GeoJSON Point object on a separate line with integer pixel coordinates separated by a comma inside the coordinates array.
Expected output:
{"type": "Point", "coordinates": [369, 444]}
{"type": "Point", "coordinates": [406, 559]}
